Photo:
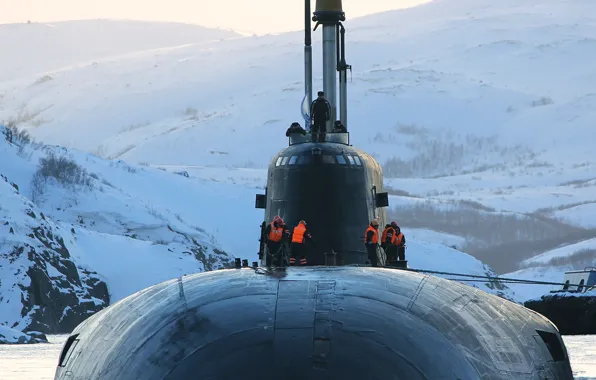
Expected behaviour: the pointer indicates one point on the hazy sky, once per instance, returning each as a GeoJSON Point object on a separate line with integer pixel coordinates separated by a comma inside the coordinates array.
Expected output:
{"type": "Point", "coordinates": [259, 16]}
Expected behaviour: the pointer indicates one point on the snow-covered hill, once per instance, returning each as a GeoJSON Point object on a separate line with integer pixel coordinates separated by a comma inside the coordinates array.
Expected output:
{"type": "Point", "coordinates": [42, 289]}
{"type": "Point", "coordinates": [551, 265]}
{"type": "Point", "coordinates": [37, 47]}
{"type": "Point", "coordinates": [451, 71]}
{"type": "Point", "coordinates": [480, 112]}
{"type": "Point", "coordinates": [79, 232]}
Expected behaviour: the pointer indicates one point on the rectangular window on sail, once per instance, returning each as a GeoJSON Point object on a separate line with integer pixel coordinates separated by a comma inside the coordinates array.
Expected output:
{"type": "Point", "coordinates": [327, 159]}
{"type": "Point", "coordinates": [293, 160]}
{"type": "Point", "coordinates": [303, 160]}
{"type": "Point", "coordinates": [357, 159]}
{"type": "Point", "coordinates": [285, 161]}
{"type": "Point", "coordinates": [278, 162]}
{"type": "Point", "coordinates": [351, 159]}
{"type": "Point", "coordinates": [341, 160]}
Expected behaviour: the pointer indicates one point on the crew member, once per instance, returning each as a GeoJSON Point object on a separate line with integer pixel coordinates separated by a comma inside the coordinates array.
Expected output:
{"type": "Point", "coordinates": [299, 236]}
{"type": "Point", "coordinates": [295, 128]}
{"type": "Point", "coordinates": [400, 241]}
{"type": "Point", "coordinates": [320, 113]}
{"type": "Point", "coordinates": [339, 127]}
{"type": "Point", "coordinates": [387, 236]}
{"type": "Point", "coordinates": [371, 240]}
{"type": "Point", "coordinates": [387, 239]}
{"type": "Point", "coordinates": [274, 233]}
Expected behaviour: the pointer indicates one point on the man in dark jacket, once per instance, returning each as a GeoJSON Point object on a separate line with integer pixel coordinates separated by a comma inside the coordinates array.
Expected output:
{"type": "Point", "coordinates": [339, 127]}
{"type": "Point", "coordinates": [389, 242]}
{"type": "Point", "coordinates": [371, 241]}
{"type": "Point", "coordinates": [400, 242]}
{"type": "Point", "coordinates": [320, 113]}
{"type": "Point", "coordinates": [275, 234]}
{"type": "Point", "coordinates": [300, 236]}
{"type": "Point", "coordinates": [295, 128]}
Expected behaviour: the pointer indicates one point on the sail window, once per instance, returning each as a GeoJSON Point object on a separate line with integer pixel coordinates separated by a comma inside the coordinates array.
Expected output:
{"type": "Point", "coordinates": [327, 159]}
{"type": "Point", "coordinates": [303, 160]}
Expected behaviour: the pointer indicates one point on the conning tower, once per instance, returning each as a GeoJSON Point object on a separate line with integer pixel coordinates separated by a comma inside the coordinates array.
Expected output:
{"type": "Point", "coordinates": [336, 188]}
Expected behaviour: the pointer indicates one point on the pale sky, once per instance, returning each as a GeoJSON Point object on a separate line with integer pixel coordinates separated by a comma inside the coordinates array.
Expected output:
{"type": "Point", "coordinates": [259, 16]}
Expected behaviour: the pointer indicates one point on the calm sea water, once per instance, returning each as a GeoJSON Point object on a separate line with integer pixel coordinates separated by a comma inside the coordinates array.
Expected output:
{"type": "Point", "coordinates": [38, 361]}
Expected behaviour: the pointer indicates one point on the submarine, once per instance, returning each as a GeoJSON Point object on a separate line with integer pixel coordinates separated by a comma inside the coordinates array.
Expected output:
{"type": "Point", "coordinates": [332, 319]}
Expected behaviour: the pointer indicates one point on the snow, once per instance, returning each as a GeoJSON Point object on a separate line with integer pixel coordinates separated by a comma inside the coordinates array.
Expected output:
{"type": "Point", "coordinates": [130, 266]}
{"type": "Point", "coordinates": [481, 72]}
{"type": "Point", "coordinates": [429, 236]}
{"type": "Point", "coordinates": [566, 251]}
{"type": "Point", "coordinates": [143, 199]}
{"type": "Point", "coordinates": [134, 226]}
{"type": "Point", "coordinates": [11, 336]}
{"type": "Point", "coordinates": [437, 257]}
{"type": "Point", "coordinates": [63, 45]}
{"type": "Point", "coordinates": [525, 292]}
{"type": "Point", "coordinates": [582, 215]}
{"type": "Point", "coordinates": [474, 101]}
{"type": "Point", "coordinates": [541, 268]}
{"type": "Point", "coordinates": [8, 335]}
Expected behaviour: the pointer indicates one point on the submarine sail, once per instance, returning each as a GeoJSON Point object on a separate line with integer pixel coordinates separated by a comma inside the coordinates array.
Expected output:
{"type": "Point", "coordinates": [322, 179]}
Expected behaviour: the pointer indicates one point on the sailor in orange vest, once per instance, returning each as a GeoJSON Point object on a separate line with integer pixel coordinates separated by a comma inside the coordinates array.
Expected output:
{"type": "Point", "coordinates": [388, 242]}
{"type": "Point", "coordinates": [387, 236]}
{"type": "Point", "coordinates": [299, 236]}
{"type": "Point", "coordinates": [371, 240]}
{"type": "Point", "coordinates": [274, 233]}
{"type": "Point", "coordinates": [399, 242]}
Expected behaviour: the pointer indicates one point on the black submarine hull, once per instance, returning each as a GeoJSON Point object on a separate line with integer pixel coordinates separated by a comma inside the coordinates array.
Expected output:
{"type": "Point", "coordinates": [314, 323]}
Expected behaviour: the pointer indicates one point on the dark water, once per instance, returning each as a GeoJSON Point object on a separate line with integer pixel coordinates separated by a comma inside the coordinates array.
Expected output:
{"type": "Point", "coordinates": [38, 361]}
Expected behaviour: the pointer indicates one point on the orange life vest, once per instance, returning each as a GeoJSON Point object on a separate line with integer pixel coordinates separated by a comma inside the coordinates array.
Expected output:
{"type": "Point", "coordinates": [298, 234]}
{"type": "Point", "coordinates": [275, 234]}
{"type": "Point", "coordinates": [375, 238]}
{"type": "Point", "coordinates": [384, 236]}
{"type": "Point", "coordinates": [398, 239]}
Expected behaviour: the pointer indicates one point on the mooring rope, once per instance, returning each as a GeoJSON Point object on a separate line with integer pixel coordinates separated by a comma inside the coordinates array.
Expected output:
{"type": "Point", "coordinates": [493, 278]}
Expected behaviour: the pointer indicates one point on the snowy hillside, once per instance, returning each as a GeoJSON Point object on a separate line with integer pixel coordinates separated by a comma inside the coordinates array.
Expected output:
{"type": "Point", "coordinates": [37, 47]}
{"type": "Point", "coordinates": [480, 112]}
{"type": "Point", "coordinates": [41, 288]}
{"type": "Point", "coordinates": [79, 232]}
{"type": "Point", "coordinates": [551, 265]}
{"type": "Point", "coordinates": [483, 69]}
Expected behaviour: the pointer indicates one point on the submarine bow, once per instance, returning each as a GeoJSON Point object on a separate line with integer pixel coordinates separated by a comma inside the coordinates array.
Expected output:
{"type": "Point", "coordinates": [314, 323]}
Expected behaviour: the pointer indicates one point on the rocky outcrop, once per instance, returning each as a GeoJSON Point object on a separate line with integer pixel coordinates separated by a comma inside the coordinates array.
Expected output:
{"type": "Point", "coordinates": [41, 288]}
{"type": "Point", "coordinates": [71, 242]}
{"type": "Point", "coordinates": [573, 315]}
{"type": "Point", "coordinates": [10, 336]}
